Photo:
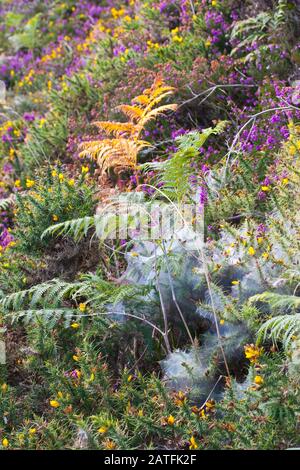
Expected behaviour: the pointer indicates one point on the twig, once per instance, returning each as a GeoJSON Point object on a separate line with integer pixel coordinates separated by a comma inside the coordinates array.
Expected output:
{"type": "Point", "coordinates": [211, 90]}
{"type": "Point", "coordinates": [251, 118]}
{"type": "Point", "coordinates": [211, 392]}
{"type": "Point", "coordinates": [165, 317]}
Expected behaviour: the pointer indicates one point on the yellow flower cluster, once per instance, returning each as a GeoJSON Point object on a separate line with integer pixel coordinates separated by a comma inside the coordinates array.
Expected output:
{"type": "Point", "coordinates": [193, 443]}
{"type": "Point", "coordinates": [294, 139]}
{"type": "Point", "coordinates": [27, 80]}
{"type": "Point", "coordinates": [152, 45]}
{"type": "Point", "coordinates": [56, 53]}
{"type": "Point", "coordinates": [117, 13]}
{"type": "Point", "coordinates": [175, 36]}
{"type": "Point", "coordinates": [4, 128]}
{"type": "Point", "coordinates": [29, 183]}
{"type": "Point", "coordinates": [252, 352]}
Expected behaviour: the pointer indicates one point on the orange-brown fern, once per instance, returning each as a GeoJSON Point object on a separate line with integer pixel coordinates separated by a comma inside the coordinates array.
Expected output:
{"type": "Point", "coordinates": [120, 150]}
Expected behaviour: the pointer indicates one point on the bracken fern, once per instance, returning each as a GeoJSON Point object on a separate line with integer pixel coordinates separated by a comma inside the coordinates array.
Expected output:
{"type": "Point", "coordinates": [120, 150]}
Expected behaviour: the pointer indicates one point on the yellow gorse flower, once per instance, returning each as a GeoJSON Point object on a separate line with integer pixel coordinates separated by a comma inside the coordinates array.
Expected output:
{"type": "Point", "coordinates": [258, 380]}
{"type": "Point", "coordinates": [54, 403]}
{"type": "Point", "coordinates": [92, 377]}
{"type": "Point", "coordinates": [252, 352]}
{"type": "Point", "coordinates": [84, 169]}
{"type": "Point", "coordinates": [103, 430]}
{"type": "Point", "coordinates": [251, 251]}
{"type": "Point", "coordinates": [171, 420]}
{"type": "Point", "coordinates": [193, 443]}
{"type": "Point", "coordinates": [5, 442]}
{"type": "Point", "coordinates": [29, 183]}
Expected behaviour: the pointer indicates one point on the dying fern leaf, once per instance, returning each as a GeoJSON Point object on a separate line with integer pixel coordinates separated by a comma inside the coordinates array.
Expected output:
{"type": "Point", "coordinates": [141, 99]}
{"type": "Point", "coordinates": [122, 150]}
{"type": "Point", "coordinates": [134, 113]}
{"type": "Point", "coordinates": [116, 128]}
{"type": "Point", "coordinates": [154, 113]}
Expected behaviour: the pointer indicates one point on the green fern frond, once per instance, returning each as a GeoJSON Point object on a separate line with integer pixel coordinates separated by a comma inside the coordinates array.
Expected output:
{"type": "Point", "coordinates": [175, 172]}
{"type": "Point", "coordinates": [41, 294]}
{"type": "Point", "coordinates": [47, 299]}
{"type": "Point", "coordinates": [52, 316]}
{"type": "Point", "coordinates": [76, 228]}
{"type": "Point", "coordinates": [277, 301]}
{"type": "Point", "coordinates": [282, 328]}
{"type": "Point", "coordinates": [6, 203]}
{"type": "Point", "coordinates": [257, 28]}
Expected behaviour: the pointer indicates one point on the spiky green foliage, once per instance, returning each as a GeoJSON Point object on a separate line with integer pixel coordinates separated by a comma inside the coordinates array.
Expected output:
{"type": "Point", "coordinates": [55, 198]}
{"type": "Point", "coordinates": [117, 216]}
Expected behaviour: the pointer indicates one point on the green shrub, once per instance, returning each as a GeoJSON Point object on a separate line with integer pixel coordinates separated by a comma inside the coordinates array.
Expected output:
{"type": "Point", "coordinates": [51, 199]}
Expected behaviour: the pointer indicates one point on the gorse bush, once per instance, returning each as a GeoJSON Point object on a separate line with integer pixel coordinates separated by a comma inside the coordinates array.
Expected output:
{"type": "Point", "coordinates": [117, 339]}
{"type": "Point", "coordinates": [55, 198]}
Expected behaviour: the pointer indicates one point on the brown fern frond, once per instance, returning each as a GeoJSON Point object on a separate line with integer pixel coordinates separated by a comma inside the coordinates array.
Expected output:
{"type": "Point", "coordinates": [158, 82]}
{"type": "Point", "coordinates": [161, 91]}
{"type": "Point", "coordinates": [116, 128]}
{"type": "Point", "coordinates": [141, 99]}
{"type": "Point", "coordinates": [157, 91]}
{"type": "Point", "coordinates": [90, 149]}
{"type": "Point", "coordinates": [157, 88]}
{"type": "Point", "coordinates": [122, 149]}
{"type": "Point", "coordinates": [156, 100]}
{"type": "Point", "coordinates": [134, 113]}
{"type": "Point", "coordinates": [120, 153]}
{"type": "Point", "coordinates": [149, 116]}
